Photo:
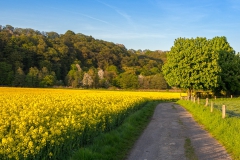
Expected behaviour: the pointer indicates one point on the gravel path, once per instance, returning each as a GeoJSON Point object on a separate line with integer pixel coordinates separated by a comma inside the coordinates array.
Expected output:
{"type": "Point", "coordinates": [165, 135]}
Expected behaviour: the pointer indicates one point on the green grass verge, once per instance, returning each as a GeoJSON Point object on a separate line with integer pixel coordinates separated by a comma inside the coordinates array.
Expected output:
{"type": "Point", "coordinates": [226, 131]}
{"type": "Point", "coordinates": [115, 145]}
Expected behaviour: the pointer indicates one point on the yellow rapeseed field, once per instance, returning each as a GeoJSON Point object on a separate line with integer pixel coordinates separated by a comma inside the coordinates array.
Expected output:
{"type": "Point", "coordinates": [41, 123]}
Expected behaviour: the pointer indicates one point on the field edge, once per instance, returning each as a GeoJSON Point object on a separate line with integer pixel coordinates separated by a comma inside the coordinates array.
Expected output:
{"type": "Point", "coordinates": [117, 143]}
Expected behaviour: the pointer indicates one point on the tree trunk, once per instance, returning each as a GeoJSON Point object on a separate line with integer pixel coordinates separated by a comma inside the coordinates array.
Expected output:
{"type": "Point", "coordinates": [190, 92]}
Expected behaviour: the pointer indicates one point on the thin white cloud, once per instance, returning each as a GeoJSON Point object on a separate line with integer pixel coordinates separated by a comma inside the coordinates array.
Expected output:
{"type": "Point", "coordinates": [121, 13]}
{"type": "Point", "coordinates": [85, 15]}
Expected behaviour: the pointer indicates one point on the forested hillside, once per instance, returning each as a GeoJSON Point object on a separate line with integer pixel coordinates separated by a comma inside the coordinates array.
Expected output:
{"type": "Point", "coordinates": [43, 59]}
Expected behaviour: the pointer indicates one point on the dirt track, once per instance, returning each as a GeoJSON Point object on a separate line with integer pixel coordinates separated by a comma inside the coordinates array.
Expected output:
{"type": "Point", "coordinates": [165, 135]}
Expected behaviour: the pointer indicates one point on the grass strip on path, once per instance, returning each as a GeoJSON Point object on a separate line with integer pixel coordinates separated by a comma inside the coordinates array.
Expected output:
{"type": "Point", "coordinates": [115, 145]}
{"type": "Point", "coordinates": [189, 150]}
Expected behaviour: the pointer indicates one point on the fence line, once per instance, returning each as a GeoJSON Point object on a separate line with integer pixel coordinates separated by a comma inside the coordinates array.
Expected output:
{"type": "Point", "coordinates": [205, 102]}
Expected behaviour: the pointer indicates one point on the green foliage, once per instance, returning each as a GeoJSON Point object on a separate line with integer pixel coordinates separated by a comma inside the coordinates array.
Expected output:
{"type": "Point", "coordinates": [32, 77]}
{"type": "Point", "coordinates": [74, 76]}
{"type": "Point", "coordinates": [128, 80]}
{"type": "Point", "coordinates": [229, 62]}
{"type": "Point", "coordinates": [48, 80]}
{"type": "Point", "coordinates": [42, 78]}
{"type": "Point", "coordinates": [201, 64]}
{"type": "Point", "coordinates": [158, 82]}
{"type": "Point", "coordinates": [19, 79]}
{"type": "Point", "coordinates": [6, 73]}
{"type": "Point", "coordinates": [55, 53]}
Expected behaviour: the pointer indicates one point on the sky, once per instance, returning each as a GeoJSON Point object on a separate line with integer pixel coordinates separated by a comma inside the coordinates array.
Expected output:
{"type": "Point", "coordinates": [137, 24]}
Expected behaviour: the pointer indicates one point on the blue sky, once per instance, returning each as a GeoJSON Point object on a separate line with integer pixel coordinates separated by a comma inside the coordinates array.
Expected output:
{"type": "Point", "coordinates": [138, 24]}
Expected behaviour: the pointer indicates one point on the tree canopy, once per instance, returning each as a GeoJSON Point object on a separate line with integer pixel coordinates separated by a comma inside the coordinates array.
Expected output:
{"type": "Point", "coordinates": [42, 59]}
{"type": "Point", "coordinates": [202, 64]}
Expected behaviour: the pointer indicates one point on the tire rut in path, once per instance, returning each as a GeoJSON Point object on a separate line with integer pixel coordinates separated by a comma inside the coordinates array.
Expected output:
{"type": "Point", "coordinates": [164, 137]}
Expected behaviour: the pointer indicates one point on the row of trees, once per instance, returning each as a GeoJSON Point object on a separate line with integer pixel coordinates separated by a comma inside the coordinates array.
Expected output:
{"type": "Point", "coordinates": [203, 64]}
{"type": "Point", "coordinates": [95, 78]}
{"type": "Point", "coordinates": [42, 59]}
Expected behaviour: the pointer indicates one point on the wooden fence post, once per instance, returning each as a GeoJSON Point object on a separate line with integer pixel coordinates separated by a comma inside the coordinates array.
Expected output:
{"type": "Point", "coordinates": [206, 102]}
{"type": "Point", "coordinates": [223, 111]}
{"type": "Point", "coordinates": [194, 99]}
{"type": "Point", "coordinates": [215, 97]}
{"type": "Point", "coordinates": [231, 96]}
{"type": "Point", "coordinates": [198, 100]}
{"type": "Point", "coordinates": [211, 106]}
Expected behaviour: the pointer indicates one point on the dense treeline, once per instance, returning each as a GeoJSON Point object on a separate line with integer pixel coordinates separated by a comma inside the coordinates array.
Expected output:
{"type": "Point", "coordinates": [43, 59]}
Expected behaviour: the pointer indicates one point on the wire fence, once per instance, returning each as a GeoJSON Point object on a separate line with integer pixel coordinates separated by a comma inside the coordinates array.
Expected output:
{"type": "Point", "coordinates": [230, 105]}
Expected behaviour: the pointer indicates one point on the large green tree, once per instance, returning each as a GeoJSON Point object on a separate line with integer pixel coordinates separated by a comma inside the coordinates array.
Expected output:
{"type": "Point", "coordinates": [198, 63]}
{"type": "Point", "coordinates": [229, 62]}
